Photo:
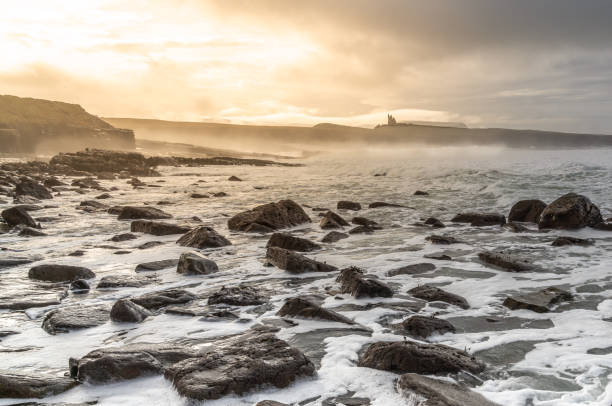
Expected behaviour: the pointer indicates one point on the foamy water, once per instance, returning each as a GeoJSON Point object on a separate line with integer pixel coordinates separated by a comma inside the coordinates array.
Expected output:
{"type": "Point", "coordinates": [527, 364]}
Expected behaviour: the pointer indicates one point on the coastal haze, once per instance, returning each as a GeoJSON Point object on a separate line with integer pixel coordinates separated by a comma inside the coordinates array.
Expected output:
{"type": "Point", "coordinates": [274, 203]}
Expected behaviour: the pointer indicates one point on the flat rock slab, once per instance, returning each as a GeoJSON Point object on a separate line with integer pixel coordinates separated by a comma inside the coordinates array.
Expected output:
{"type": "Point", "coordinates": [303, 308]}
{"type": "Point", "coordinates": [413, 269]}
{"type": "Point", "coordinates": [237, 296]}
{"type": "Point", "coordinates": [143, 212]}
{"type": "Point", "coordinates": [295, 263]}
{"type": "Point", "coordinates": [423, 327]}
{"type": "Point", "coordinates": [567, 240]}
{"type": "Point", "coordinates": [59, 273]}
{"type": "Point", "coordinates": [156, 265]}
{"type": "Point", "coordinates": [162, 298]}
{"type": "Point", "coordinates": [22, 386]}
{"type": "Point", "coordinates": [290, 242]}
{"type": "Point", "coordinates": [353, 281]}
{"type": "Point", "coordinates": [123, 281]}
{"type": "Point", "coordinates": [507, 262]}
{"type": "Point", "coordinates": [435, 294]}
{"type": "Point", "coordinates": [480, 219]}
{"type": "Point", "coordinates": [157, 228]}
{"type": "Point", "coordinates": [11, 262]}
{"type": "Point", "coordinates": [64, 319]}
{"type": "Point", "coordinates": [439, 393]}
{"type": "Point", "coordinates": [481, 324]}
{"type": "Point", "coordinates": [540, 301]}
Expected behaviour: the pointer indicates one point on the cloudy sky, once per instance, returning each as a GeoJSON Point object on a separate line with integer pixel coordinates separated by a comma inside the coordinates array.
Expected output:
{"type": "Point", "coordinates": [544, 64]}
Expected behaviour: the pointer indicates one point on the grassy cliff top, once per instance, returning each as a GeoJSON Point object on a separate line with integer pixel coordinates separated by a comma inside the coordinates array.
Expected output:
{"type": "Point", "coordinates": [17, 110]}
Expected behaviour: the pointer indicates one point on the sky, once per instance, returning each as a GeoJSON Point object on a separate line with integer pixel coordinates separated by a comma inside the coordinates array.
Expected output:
{"type": "Point", "coordinates": [541, 64]}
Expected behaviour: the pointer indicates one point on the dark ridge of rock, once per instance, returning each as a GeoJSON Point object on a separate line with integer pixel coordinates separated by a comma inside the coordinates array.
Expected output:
{"type": "Point", "coordinates": [570, 211]}
{"type": "Point", "coordinates": [123, 237]}
{"type": "Point", "coordinates": [31, 232]}
{"type": "Point", "coordinates": [79, 286]}
{"type": "Point", "coordinates": [439, 393]}
{"type": "Point", "coordinates": [156, 265]}
{"type": "Point", "coordinates": [348, 205]}
{"type": "Point", "coordinates": [194, 263]}
{"type": "Point", "coordinates": [64, 319]}
{"type": "Point", "coordinates": [16, 215]}
{"type": "Point", "coordinates": [149, 244]}
{"type": "Point", "coordinates": [289, 242]}
{"type": "Point", "coordinates": [300, 307]}
{"type": "Point", "coordinates": [422, 327]}
{"type": "Point", "coordinates": [421, 193]}
{"type": "Point", "coordinates": [526, 211]}
{"type": "Point", "coordinates": [234, 179]}
{"type": "Point", "coordinates": [29, 187]}
{"type": "Point", "coordinates": [199, 196]}
{"type": "Point", "coordinates": [332, 220]}
{"type": "Point", "coordinates": [334, 236]}
{"type": "Point", "coordinates": [144, 212]}
{"type": "Point", "coordinates": [507, 262]}
{"type": "Point", "coordinates": [157, 228]}
{"type": "Point", "coordinates": [239, 365]}
{"type": "Point", "coordinates": [540, 301]}
{"type": "Point", "coordinates": [407, 356]}
{"type": "Point", "coordinates": [237, 296]}
{"type": "Point", "coordinates": [22, 386]}
{"type": "Point", "coordinates": [362, 221]}
{"type": "Point", "coordinates": [480, 219]}
{"type": "Point", "coordinates": [103, 196]}
{"type": "Point", "coordinates": [566, 240]}
{"type": "Point", "coordinates": [295, 263]}
{"type": "Point", "coordinates": [98, 161]}
{"type": "Point", "coordinates": [442, 239]}
{"type": "Point", "coordinates": [354, 282]}
{"type": "Point", "coordinates": [439, 257]}
{"type": "Point", "coordinates": [515, 227]}
{"type": "Point", "coordinates": [269, 217]}
{"type": "Point", "coordinates": [375, 205]}
{"type": "Point", "coordinates": [203, 237]}
{"type": "Point", "coordinates": [363, 230]}
{"type": "Point", "coordinates": [126, 311]}
{"type": "Point", "coordinates": [122, 281]}
{"type": "Point", "coordinates": [412, 269]}
{"type": "Point", "coordinates": [434, 222]}
{"type": "Point", "coordinates": [162, 298]}
{"type": "Point", "coordinates": [59, 273]}
{"type": "Point", "coordinates": [435, 294]}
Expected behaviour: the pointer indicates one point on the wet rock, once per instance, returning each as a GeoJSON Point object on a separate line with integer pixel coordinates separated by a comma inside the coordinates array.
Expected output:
{"type": "Point", "coordinates": [33, 385]}
{"type": "Point", "coordinates": [100, 161]}
{"type": "Point", "coordinates": [234, 179]}
{"type": "Point", "coordinates": [434, 222]}
{"type": "Point", "coordinates": [334, 236]}
{"type": "Point", "coordinates": [194, 263]}
{"type": "Point", "coordinates": [203, 237]}
{"type": "Point", "coordinates": [115, 210]}
{"type": "Point", "coordinates": [289, 242]}
{"type": "Point", "coordinates": [199, 196]}
{"type": "Point", "coordinates": [64, 319]}
{"type": "Point", "coordinates": [354, 282]}
{"type": "Point", "coordinates": [295, 263]}
{"type": "Point", "coordinates": [35, 296]}
{"type": "Point", "coordinates": [348, 205]}
{"type": "Point", "coordinates": [79, 286]}
{"type": "Point", "coordinates": [507, 262]}
{"type": "Point", "coordinates": [516, 227]}
{"type": "Point", "coordinates": [480, 219]}
{"type": "Point", "coordinates": [439, 393]}
{"type": "Point", "coordinates": [122, 281]}
{"type": "Point", "coordinates": [269, 217]}
{"type": "Point", "coordinates": [77, 253]}
{"type": "Point", "coordinates": [239, 365]}
{"type": "Point", "coordinates": [29, 187]}
{"type": "Point", "coordinates": [603, 226]}
{"type": "Point", "coordinates": [540, 301]}
{"type": "Point", "coordinates": [87, 183]}
{"type": "Point", "coordinates": [332, 220]}
{"type": "Point", "coordinates": [423, 327]}
{"type": "Point", "coordinates": [303, 308]}
{"type": "Point", "coordinates": [156, 265]}
{"type": "Point", "coordinates": [126, 311]}
{"type": "Point", "coordinates": [526, 211]}
{"type": "Point", "coordinates": [31, 232]}
{"type": "Point", "coordinates": [149, 213]}
{"type": "Point", "coordinates": [149, 244]}
{"type": "Point", "coordinates": [162, 298]}
{"type": "Point", "coordinates": [566, 240]}
{"type": "Point", "coordinates": [413, 269]}
{"type": "Point", "coordinates": [570, 211]}
{"type": "Point", "coordinates": [220, 194]}
{"type": "Point", "coordinates": [52, 181]}
{"type": "Point", "coordinates": [362, 221]}
{"type": "Point", "coordinates": [375, 205]}
{"type": "Point", "coordinates": [434, 294]}
{"type": "Point", "coordinates": [363, 230]}
{"type": "Point", "coordinates": [270, 403]}
{"type": "Point", "coordinates": [123, 237]}
{"type": "Point", "coordinates": [442, 239]}
{"type": "Point", "coordinates": [11, 262]}
{"type": "Point", "coordinates": [59, 273]}
{"type": "Point", "coordinates": [18, 215]}
{"type": "Point", "coordinates": [103, 196]}
{"type": "Point", "coordinates": [92, 205]}
{"type": "Point", "coordinates": [241, 295]}
{"type": "Point", "coordinates": [439, 257]}
{"type": "Point", "coordinates": [431, 359]}
{"type": "Point", "coordinates": [157, 228]}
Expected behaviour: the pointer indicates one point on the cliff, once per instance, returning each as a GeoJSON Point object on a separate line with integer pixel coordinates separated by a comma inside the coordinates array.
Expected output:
{"type": "Point", "coordinates": [35, 125]}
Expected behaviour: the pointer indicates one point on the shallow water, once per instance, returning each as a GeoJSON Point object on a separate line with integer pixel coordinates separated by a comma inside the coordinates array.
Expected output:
{"type": "Point", "coordinates": [547, 359]}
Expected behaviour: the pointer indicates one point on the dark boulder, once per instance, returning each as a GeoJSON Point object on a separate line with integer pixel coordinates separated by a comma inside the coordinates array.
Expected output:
{"type": "Point", "coordinates": [507, 262]}
{"type": "Point", "coordinates": [363, 230]}
{"type": "Point", "coordinates": [567, 240]}
{"type": "Point", "coordinates": [18, 215]}
{"type": "Point", "coordinates": [570, 211]}
{"type": "Point", "coordinates": [162, 298]}
{"type": "Point", "coordinates": [375, 205]}
{"type": "Point", "coordinates": [421, 193]}
{"type": "Point", "coordinates": [515, 227]}
{"type": "Point", "coordinates": [540, 301]}
{"type": "Point", "coordinates": [64, 319]}
{"type": "Point", "coordinates": [59, 273]}
{"type": "Point", "coordinates": [526, 211]}
{"type": "Point", "coordinates": [289, 242]}
{"type": "Point", "coordinates": [103, 196]}
{"type": "Point", "coordinates": [303, 308]}
{"type": "Point", "coordinates": [92, 206]}
{"type": "Point", "coordinates": [412, 269]}
{"type": "Point", "coordinates": [199, 196]}
{"type": "Point", "coordinates": [123, 237]}
{"type": "Point", "coordinates": [439, 393]}
{"type": "Point", "coordinates": [332, 220]}
{"type": "Point", "coordinates": [194, 263]}
{"type": "Point", "coordinates": [234, 179]}
{"type": "Point", "coordinates": [430, 359]}
{"type": "Point", "coordinates": [434, 222]}
{"type": "Point", "coordinates": [354, 282]}
{"type": "Point", "coordinates": [156, 265]}
{"type": "Point", "coordinates": [434, 294]}
{"type": "Point", "coordinates": [29, 187]}
{"type": "Point", "coordinates": [348, 205]}
{"type": "Point", "coordinates": [442, 239]}
{"type": "Point", "coordinates": [362, 221]}
{"type": "Point", "coordinates": [203, 237]}
{"type": "Point", "coordinates": [79, 286]}
{"type": "Point", "coordinates": [480, 219]}
{"type": "Point", "coordinates": [241, 295]}
{"type": "Point", "coordinates": [269, 217]}
{"type": "Point", "coordinates": [334, 236]}
{"type": "Point", "coordinates": [122, 281]}
{"type": "Point", "coordinates": [295, 263]}
{"type": "Point", "coordinates": [22, 386]}
{"type": "Point", "coordinates": [158, 228]}
{"type": "Point", "coordinates": [126, 311]}
{"type": "Point", "coordinates": [144, 212]}
{"type": "Point", "coordinates": [423, 327]}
